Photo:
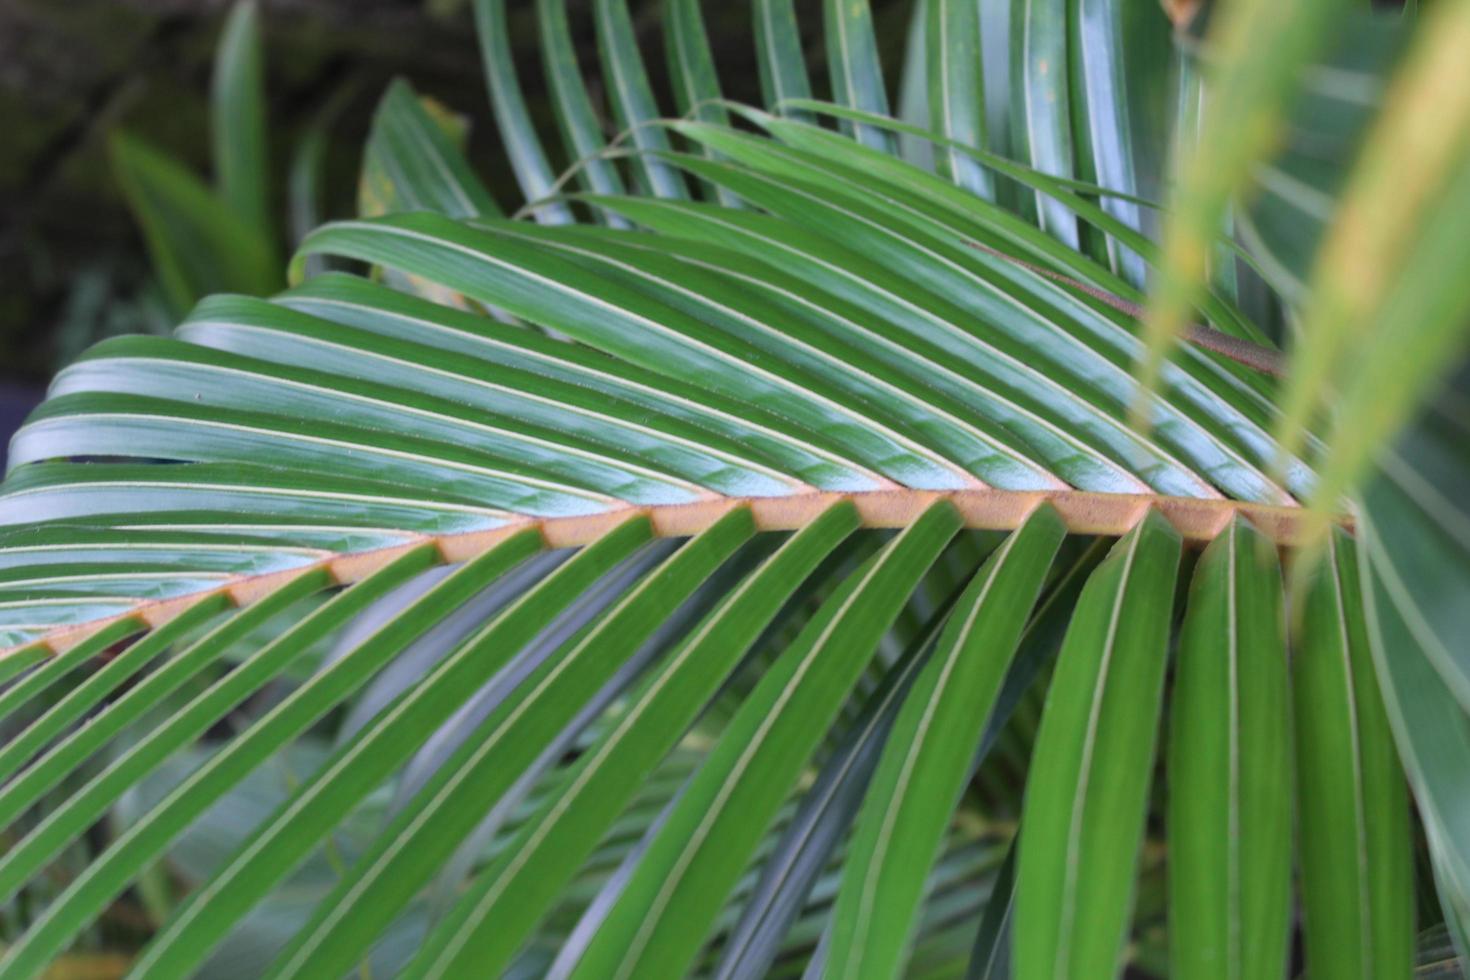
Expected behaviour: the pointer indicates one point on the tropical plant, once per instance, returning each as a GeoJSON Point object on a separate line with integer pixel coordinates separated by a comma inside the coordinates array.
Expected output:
{"type": "Point", "coordinates": [758, 553]}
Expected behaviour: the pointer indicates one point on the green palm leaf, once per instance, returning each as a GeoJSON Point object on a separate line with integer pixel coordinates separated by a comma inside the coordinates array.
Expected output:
{"type": "Point", "coordinates": [1230, 767]}
{"type": "Point", "coordinates": [750, 566]}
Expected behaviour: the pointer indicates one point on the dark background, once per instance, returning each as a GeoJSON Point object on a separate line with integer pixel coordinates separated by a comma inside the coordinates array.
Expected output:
{"type": "Point", "coordinates": [73, 263]}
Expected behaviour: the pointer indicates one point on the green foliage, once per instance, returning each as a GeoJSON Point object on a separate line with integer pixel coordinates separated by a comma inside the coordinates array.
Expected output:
{"type": "Point", "coordinates": [722, 566]}
{"type": "Point", "coordinates": [205, 240]}
{"type": "Point", "coordinates": [199, 243]}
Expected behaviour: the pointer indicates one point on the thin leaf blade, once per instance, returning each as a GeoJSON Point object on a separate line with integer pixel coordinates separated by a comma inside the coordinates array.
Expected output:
{"type": "Point", "coordinates": [925, 764]}
{"type": "Point", "coordinates": [1229, 811]}
{"type": "Point", "coordinates": [1082, 820]}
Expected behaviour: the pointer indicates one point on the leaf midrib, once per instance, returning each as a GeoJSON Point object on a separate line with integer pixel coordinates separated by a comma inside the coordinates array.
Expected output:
{"type": "Point", "coordinates": [1197, 520]}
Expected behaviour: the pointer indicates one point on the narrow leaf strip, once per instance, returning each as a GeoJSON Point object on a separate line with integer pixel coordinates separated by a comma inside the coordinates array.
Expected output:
{"type": "Point", "coordinates": [800, 857]}
{"type": "Point", "coordinates": [662, 916]}
{"type": "Point", "coordinates": [144, 840]}
{"type": "Point", "coordinates": [990, 957]}
{"type": "Point", "coordinates": [922, 275]}
{"type": "Point", "coordinates": [779, 57]}
{"type": "Point", "coordinates": [501, 908]}
{"type": "Point", "coordinates": [956, 90]}
{"type": "Point", "coordinates": [425, 833]}
{"type": "Point", "coordinates": [573, 106]}
{"type": "Point", "coordinates": [68, 754]}
{"type": "Point", "coordinates": [116, 671]}
{"type": "Point", "coordinates": [552, 291]}
{"type": "Point", "coordinates": [1082, 820]}
{"type": "Point", "coordinates": [913, 92]}
{"type": "Point", "coordinates": [1356, 851]}
{"type": "Point", "coordinates": [632, 97]}
{"type": "Point", "coordinates": [1229, 816]}
{"type": "Point", "coordinates": [857, 77]}
{"type": "Point", "coordinates": [831, 805]}
{"type": "Point", "coordinates": [237, 119]}
{"type": "Point", "coordinates": [1430, 727]}
{"type": "Point", "coordinates": [691, 63]}
{"type": "Point", "coordinates": [925, 764]}
{"type": "Point", "coordinates": [1040, 104]}
{"type": "Point", "coordinates": [1118, 61]}
{"type": "Point", "coordinates": [692, 68]}
{"type": "Point", "coordinates": [517, 134]}
{"type": "Point", "coordinates": [41, 678]}
{"type": "Point", "coordinates": [382, 746]}
{"type": "Point", "coordinates": [1215, 304]}
{"type": "Point", "coordinates": [20, 658]}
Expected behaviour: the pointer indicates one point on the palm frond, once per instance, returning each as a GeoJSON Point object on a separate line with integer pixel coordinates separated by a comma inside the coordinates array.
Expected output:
{"type": "Point", "coordinates": [735, 570]}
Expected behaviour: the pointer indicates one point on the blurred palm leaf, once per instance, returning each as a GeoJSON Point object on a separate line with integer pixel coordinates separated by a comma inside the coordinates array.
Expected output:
{"type": "Point", "coordinates": [685, 581]}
